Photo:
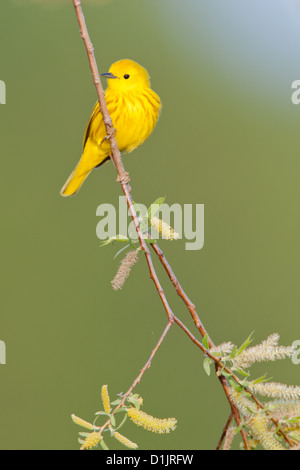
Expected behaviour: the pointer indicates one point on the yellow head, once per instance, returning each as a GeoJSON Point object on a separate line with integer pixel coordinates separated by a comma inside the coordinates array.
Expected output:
{"type": "Point", "coordinates": [127, 75]}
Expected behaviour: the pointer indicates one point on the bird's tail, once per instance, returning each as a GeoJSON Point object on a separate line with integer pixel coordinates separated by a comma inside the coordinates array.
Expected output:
{"type": "Point", "coordinates": [76, 179]}
{"type": "Point", "coordinates": [86, 164]}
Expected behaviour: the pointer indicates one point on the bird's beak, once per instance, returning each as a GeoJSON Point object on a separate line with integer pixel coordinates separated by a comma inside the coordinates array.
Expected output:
{"type": "Point", "coordinates": [108, 75]}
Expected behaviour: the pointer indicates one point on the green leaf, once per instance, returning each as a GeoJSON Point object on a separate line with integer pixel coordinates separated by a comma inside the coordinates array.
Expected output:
{"type": "Point", "coordinates": [233, 353]}
{"type": "Point", "coordinates": [278, 428]}
{"type": "Point", "coordinates": [241, 372]}
{"type": "Point", "coordinates": [134, 395]}
{"type": "Point", "coordinates": [206, 365]}
{"type": "Point", "coordinates": [205, 341]}
{"type": "Point", "coordinates": [113, 420]}
{"type": "Point", "coordinates": [103, 445]}
{"type": "Point", "coordinates": [154, 208]}
{"type": "Point", "coordinates": [236, 386]}
{"type": "Point", "coordinates": [116, 238]}
{"type": "Point", "coordinates": [120, 410]}
{"type": "Point", "coordinates": [226, 374]}
{"type": "Point", "coordinates": [120, 251]}
{"type": "Point", "coordinates": [295, 419]}
{"type": "Point", "coordinates": [246, 394]}
{"type": "Point", "coordinates": [134, 401]}
{"type": "Point", "coordinates": [279, 439]}
{"type": "Point", "coordinates": [245, 344]}
{"type": "Point", "coordinates": [261, 379]}
{"type": "Point", "coordinates": [134, 243]}
{"type": "Point", "coordinates": [295, 435]}
{"type": "Point", "coordinates": [216, 353]}
{"type": "Point", "coordinates": [116, 402]}
{"type": "Point", "coordinates": [239, 428]}
{"type": "Point", "coordinates": [122, 422]}
{"type": "Point", "coordinates": [102, 413]}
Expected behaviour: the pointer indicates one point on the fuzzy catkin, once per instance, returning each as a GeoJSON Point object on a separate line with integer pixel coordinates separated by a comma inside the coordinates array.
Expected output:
{"type": "Point", "coordinates": [82, 423]}
{"type": "Point", "coordinates": [105, 399]}
{"type": "Point", "coordinates": [148, 422]}
{"type": "Point", "coordinates": [259, 425]}
{"type": "Point", "coordinates": [162, 227]}
{"type": "Point", "coordinates": [125, 441]}
{"type": "Point", "coordinates": [91, 441]}
{"type": "Point", "coordinates": [124, 270]}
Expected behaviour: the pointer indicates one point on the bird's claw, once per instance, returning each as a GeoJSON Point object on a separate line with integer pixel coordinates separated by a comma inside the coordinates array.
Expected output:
{"type": "Point", "coordinates": [109, 135]}
{"type": "Point", "coordinates": [124, 179]}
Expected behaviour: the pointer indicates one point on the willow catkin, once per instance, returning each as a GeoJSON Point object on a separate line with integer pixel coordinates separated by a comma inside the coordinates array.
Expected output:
{"type": "Point", "coordinates": [91, 441]}
{"type": "Point", "coordinates": [148, 422]}
{"type": "Point", "coordinates": [105, 399]}
{"type": "Point", "coordinates": [82, 423]}
{"type": "Point", "coordinates": [124, 270]}
{"type": "Point", "coordinates": [162, 227]}
{"type": "Point", "coordinates": [125, 441]}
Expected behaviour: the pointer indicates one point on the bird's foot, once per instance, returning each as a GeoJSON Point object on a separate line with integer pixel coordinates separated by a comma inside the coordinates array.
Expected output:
{"type": "Point", "coordinates": [124, 179]}
{"type": "Point", "coordinates": [110, 134]}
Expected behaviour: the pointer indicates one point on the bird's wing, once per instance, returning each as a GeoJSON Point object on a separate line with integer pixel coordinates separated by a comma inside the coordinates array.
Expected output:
{"type": "Point", "coordinates": [95, 113]}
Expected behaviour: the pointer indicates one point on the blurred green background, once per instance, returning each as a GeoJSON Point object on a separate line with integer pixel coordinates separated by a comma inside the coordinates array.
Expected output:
{"type": "Point", "coordinates": [228, 138]}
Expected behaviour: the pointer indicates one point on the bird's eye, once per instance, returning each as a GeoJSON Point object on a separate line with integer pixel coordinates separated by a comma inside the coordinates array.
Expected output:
{"type": "Point", "coordinates": [126, 76]}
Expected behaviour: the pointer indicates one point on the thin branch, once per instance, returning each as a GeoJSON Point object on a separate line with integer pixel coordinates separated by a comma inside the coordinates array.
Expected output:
{"type": "Point", "coordinates": [191, 307]}
{"type": "Point", "coordinates": [224, 432]}
{"type": "Point", "coordinates": [148, 363]}
{"type": "Point", "coordinates": [234, 411]}
{"type": "Point", "coordinates": [139, 377]}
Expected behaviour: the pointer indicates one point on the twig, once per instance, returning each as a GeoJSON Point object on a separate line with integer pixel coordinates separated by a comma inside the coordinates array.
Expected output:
{"type": "Point", "coordinates": [234, 411]}
{"type": "Point", "coordinates": [139, 377]}
{"type": "Point", "coordinates": [191, 307]}
{"type": "Point", "coordinates": [148, 363]}
{"type": "Point", "coordinates": [224, 432]}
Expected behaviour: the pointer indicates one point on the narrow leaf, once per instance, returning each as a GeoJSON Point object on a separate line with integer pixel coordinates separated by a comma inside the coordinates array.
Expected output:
{"type": "Point", "coordinates": [116, 402]}
{"type": "Point", "coordinates": [241, 372]}
{"type": "Point", "coordinates": [206, 365]}
{"type": "Point", "coordinates": [245, 344]}
{"type": "Point", "coordinates": [153, 209]}
{"type": "Point", "coordinates": [239, 428]}
{"type": "Point", "coordinates": [113, 420]}
{"type": "Point", "coordinates": [205, 341]}
{"type": "Point", "coordinates": [116, 238]}
{"type": "Point", "coordinates": [134, 401]}
{"type": "Point", "coordinates": [103, 445]}
{"type": "Point", "coordinates": [120, 251]}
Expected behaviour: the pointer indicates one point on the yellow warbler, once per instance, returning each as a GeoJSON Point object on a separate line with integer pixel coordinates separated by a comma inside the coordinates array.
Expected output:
{"type": "Point", "coordinates": [134, 109]}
